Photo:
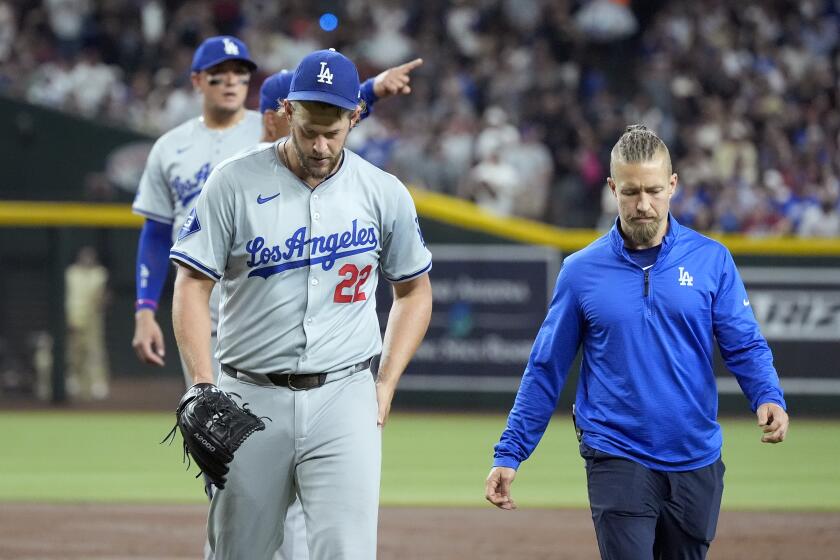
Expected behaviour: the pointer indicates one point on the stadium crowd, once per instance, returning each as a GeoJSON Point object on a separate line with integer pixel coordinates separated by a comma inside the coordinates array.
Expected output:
{"type": "Point", "coordinates": [518, 102]}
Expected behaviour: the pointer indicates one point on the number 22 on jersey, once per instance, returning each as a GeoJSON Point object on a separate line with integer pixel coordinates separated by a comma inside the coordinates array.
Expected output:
{"type": "Point", "coordinates": [350, 289]}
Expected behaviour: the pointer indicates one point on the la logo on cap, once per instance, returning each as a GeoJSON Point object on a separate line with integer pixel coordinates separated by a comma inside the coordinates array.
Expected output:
{"type": "Point", "coordinates": [230, 47]}
{"type": "Point", "coordinates": [325, 76]}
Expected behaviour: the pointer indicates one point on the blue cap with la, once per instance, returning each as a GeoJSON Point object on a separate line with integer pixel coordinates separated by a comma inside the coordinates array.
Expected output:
{"type": "Point", "coordinates": [216, 50]}
{"type": "Point", "coordinates": [275, 89]}
{"type": "Point", "coordinates": [326, 76]}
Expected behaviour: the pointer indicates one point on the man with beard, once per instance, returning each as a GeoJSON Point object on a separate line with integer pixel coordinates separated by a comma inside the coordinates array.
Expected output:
{"type": "Point", "coordinates": [297, 233]}
{"type": "Point", "coordinates": [275, 125]}
{"type": "Point", "coordinates": [646, 302]}
{"type": "Point", "coordinates": [178, 166]}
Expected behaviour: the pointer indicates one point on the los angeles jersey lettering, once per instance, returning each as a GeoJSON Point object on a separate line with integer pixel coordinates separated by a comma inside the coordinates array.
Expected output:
{"type": "Point", "coordinates": [323, 250]}
{"type": "Point", "coordinates": [181, 162]}
{"type": "Point", "coordinates": [309, 256]}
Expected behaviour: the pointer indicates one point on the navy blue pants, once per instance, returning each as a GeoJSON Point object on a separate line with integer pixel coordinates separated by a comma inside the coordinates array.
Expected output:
{"type": "Point", "coordinates": [644, 514]}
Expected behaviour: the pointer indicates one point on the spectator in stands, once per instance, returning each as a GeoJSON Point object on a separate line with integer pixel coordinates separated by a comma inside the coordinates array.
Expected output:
{"type": "Point", "coordinates": [823, 219]}
{"type": "Point", "coordinates": [751, 85]}
{"type": "Point", "coordinates": [493, 185]}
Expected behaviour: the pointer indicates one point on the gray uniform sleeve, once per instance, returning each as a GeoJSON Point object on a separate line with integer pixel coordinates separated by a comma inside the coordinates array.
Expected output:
{"type": "Point", "coordinates": [404, 253]}
{"type": "Point", "coordinates": [154, 196]}
{"type": "Point", "coordinates": [205, 239]}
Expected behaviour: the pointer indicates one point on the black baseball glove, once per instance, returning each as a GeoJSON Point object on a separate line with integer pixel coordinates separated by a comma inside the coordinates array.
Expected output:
{"type": "Point", "coordinates": [213, 427]}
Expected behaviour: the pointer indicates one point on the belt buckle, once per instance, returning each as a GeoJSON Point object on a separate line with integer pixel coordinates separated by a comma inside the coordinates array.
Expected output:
{"type": "Point", "coordinates": [291, 385]}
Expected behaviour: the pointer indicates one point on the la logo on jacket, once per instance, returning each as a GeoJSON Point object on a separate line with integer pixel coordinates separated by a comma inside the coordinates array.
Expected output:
{"type": "Point", "coordinates": [685, 279]}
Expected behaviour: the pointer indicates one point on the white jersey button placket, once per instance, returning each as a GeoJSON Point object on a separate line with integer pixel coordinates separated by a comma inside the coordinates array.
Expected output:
{"type": "Point", "coordinates": [314, 281]}
{"type": "Point", "coordinates": [313, 208]}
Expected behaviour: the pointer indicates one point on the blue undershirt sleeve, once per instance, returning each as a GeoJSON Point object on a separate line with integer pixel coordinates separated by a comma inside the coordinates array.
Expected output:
{"type": "Point", "coordinates": [368, 97]}
{"type": "Point", "coordinates": [152, 262]}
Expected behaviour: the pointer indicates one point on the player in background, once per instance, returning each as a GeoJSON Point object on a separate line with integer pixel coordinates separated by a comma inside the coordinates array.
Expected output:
{"type": "Point", "coordinates": [273, 91]}
{"type": "Point", "coordinates": [178, 166]}
{"type": "Point", "coordinates": [275, 88]}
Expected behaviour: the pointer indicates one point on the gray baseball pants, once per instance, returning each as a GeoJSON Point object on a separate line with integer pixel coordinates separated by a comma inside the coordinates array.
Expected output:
{"type": "Point", "coordinates": [294, 545]}
{"type": "Point", "coordinates": [321, 445]}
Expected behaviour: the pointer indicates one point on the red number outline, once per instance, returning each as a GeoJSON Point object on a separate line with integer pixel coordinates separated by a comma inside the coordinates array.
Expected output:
{"type": "Point", "coordinates": [355, 277]}
{"type": "Point", "coordinates": [364, 274]}
{"type": "Point", "coordinates": [339, 296]}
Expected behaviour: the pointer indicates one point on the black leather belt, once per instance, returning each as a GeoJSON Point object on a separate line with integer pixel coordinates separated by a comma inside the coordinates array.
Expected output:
{"type": "Point", "coordinates": [297, 381]}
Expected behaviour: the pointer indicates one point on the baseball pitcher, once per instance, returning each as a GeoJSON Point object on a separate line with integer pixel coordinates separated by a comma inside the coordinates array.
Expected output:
{"type": "Point", "coordinates": [296, 234]}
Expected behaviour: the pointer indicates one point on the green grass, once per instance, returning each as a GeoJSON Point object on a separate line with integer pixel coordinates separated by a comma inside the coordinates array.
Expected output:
{"type": "Point", "coordinates": [428, 460]}
{"type": "Point", "coordinates": [802, 473]}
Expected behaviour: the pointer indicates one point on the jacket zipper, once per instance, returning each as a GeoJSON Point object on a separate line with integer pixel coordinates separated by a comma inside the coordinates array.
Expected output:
{"type": "Point", "coordinates": [647, 292]}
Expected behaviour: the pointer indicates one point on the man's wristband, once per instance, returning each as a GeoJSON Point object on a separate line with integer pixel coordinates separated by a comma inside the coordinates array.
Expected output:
{"type": "Point", "coordinates": [145, 304]}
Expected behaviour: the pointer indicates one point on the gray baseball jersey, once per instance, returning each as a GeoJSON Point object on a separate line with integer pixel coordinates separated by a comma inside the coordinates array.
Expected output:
{"type": "Point", "coordinates": [299, 266]}
{"type": "Point", "coordinates": [178, 166]}
{"type": "Point", "coordinates": [181, 161]}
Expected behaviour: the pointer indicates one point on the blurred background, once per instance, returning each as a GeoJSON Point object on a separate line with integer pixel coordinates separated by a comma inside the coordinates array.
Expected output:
{"type": "Point", "coordinates": [744, 93]}
{"type": "Point", "coordinates": [505, 139]}
{"type": "Point", "coordinates": [504, 142]}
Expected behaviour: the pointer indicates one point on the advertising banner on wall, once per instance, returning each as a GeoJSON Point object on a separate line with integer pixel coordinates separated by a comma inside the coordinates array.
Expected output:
{"type": "Point", "coordinates": [489, 302]}
{"type": "Point", "coordinates": [798, 309]}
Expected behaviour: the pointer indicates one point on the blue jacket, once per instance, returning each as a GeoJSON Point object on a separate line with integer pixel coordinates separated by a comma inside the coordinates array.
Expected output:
{"type": "Point", "coordinates": [647, 388]}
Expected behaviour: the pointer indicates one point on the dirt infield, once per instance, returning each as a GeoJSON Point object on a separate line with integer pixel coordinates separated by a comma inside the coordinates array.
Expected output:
{"type": "Point", "coordinates": [116, 532]}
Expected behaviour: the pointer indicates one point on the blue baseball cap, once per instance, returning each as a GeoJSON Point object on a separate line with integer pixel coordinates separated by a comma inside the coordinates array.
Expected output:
{"type": "Point", "coordinates": [216, 50]}
{"type": "Point", "coordinates": [274, 89]}
{"type": "Point", "coordinates": [326, 76]}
